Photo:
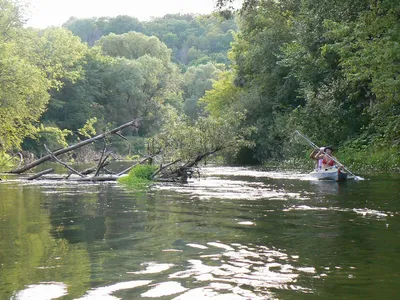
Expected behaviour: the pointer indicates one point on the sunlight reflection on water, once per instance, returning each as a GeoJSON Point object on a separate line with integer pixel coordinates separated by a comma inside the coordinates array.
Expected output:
{"type": "Point", "coordinates": [105, 293]}
{"type": "Point", "coordinates": [213, 185]}
{"type": "Point", "coordinates": [42, 291]}
{"type": "Point", "coordinates": [243, 171]}
{"type": "Point", "coordinates": [363, 212]}
{"type": "Point", "coordinates": [206, 254]}
{"type": "Point", "coordinates": [221, 273]}
{"type": "Point", "coordinates": [240, 265]}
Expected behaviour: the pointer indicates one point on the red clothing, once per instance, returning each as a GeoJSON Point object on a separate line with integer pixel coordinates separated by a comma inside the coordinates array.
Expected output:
{"type": "Point", "coordinates": [331, 163]}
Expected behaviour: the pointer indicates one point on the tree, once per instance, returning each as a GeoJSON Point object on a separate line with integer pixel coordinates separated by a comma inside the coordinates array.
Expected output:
{"type": "Point", "coordinates": [133, 45]}
{"type": "Point", "coordinates": [32, 63]}
{"type": "Point", "coordinates": [270, 90]}
{"type": "Point", "coordinates": [196, 81]}
{"type": "Point", "coordinates": [122, 24]}
{"type": "Point", "coordinates": [87, 29]}
{"type": "Point", "coordinates": [368, 48]}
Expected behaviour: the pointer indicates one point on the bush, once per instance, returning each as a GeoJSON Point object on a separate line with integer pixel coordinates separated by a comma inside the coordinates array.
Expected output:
{"type": "Point", "coordinates": [140, 175]}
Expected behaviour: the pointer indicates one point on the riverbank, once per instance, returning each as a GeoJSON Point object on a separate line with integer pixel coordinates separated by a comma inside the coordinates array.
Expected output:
{"type": "Point", "coordinates": [365, 160]}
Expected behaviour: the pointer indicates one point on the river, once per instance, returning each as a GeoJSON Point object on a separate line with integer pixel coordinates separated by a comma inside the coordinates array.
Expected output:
{"type": "Point", "coordinates": [234, 233]}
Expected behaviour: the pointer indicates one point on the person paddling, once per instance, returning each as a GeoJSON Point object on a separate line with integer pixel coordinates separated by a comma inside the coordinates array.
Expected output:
{"type": "Point", "coordinates": [328, 160]}
{"type": "Point", "coordinates": [318, 161]}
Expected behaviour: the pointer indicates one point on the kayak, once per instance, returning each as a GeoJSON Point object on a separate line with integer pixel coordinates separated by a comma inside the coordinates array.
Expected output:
{"type": "Point", "coordinates": [329, 174]}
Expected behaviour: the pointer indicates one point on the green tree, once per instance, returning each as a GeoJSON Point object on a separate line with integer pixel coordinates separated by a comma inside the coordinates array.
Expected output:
{"type": "Point", "coordinates": [133, 45]}
{"type": "Point", "coordinates": [369, 54]}
{"type": "Point", "coordinates": [181, 138]}
{"type": "Point", "coordinates": [271, 91]}
{"type": "Point", "coordinates": [121, 24]}
{"type": "Point", "coordinates": [87, 29]}
{"type": "Point", "coordinates": [32, 63]}
{"type": "Point", "coordinates": [196, 81]}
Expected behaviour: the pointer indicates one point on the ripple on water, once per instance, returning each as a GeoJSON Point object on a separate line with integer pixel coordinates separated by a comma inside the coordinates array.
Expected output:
{"type": "Point", "coordinates": [214, 185]}
{"type": "Point", "coordinates": [224, 273]}
{"type": "Point", "coordinates": [212, 188]}
{"type": "Point", "coordinates": [152, 268]}
{"type": "Point", "coordinates": [360, 211]}
{"type": "Point", "coordinates": [249, 172]}
{"type": "Point", "coordinates": [218, 271]}
{"type": "Point", "coordinates": [105, 293]}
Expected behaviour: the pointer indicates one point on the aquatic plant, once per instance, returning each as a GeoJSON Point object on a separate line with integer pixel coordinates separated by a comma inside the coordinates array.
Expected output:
{"type": "Point", "coordinates": [140, 175]}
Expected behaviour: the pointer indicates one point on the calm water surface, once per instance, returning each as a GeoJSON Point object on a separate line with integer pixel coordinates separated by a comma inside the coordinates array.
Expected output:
{"type": "Point", "coordinates": [235, 233]}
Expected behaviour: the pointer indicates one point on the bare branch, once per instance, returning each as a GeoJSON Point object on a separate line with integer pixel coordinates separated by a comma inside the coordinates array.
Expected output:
{"type": "Point", "coordinates": [64, 164]}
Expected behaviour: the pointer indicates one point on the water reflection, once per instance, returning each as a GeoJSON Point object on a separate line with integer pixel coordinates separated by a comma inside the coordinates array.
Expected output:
{"type": "Point", "coordinates": [42, 291]}
{"type": "Point", "coordinates": [365, 212]}
{"type": "Point", "coordinates": [106, 292]}
{"type": "Point", "coordinates": [235, 233]}
{"type": "Point", "coordinates": [212, 274]}
{"type": "Point", "coordinates": [237, 183]}
{"type": "Point", "coordinates": [243, 265]}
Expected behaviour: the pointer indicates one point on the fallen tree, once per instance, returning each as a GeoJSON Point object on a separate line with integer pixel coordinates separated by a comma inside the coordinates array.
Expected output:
{"type": "Point", "coordinates": [53, 154]}
{"type": "Point", "coordinates": [177, 148]}
{"type": "Point", "coordinates": [172, 173]}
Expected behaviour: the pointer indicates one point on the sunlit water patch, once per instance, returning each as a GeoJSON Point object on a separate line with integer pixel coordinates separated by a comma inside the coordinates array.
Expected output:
{"type": "Point", "coordinates": [223, 275]}
{"type": "Point", "coordinates": [249, 172]}
{"type": "Point", "coordinates": [106, 292]}
{"type": "Point", "coordinates": [216, 271]}
{"type": "Point", "coordinates": [152, 268]}
{"type": "Point", "coordinates": [42, 291]}
{"type": "Point", "coordinates": [210, 188]}
{"type": "Point", "coordinates": [365, 212]}
{"type": "Point", "coordinates": [213, 184]}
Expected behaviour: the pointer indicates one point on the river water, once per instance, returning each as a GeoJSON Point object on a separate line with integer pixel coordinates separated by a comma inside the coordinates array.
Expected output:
{"type": "Point", "coordinates": [235, 233]}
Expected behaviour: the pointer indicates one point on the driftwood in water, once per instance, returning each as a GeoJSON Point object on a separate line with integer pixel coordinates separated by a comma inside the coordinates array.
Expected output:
{"type": "Point", "coordinates": [99, 178]}
{"type": "Point", "coordinates": [181, 173]}
{"type": "Point", "coordinates": [171, 172]}
{"type": "Point", "coordinates": [62, 163]}
{"type": "Point", "coordinates": [40, 174]}
{"type": "Point", "coordinates": [164, 167]}
{"type": "Point", "coordinates": [134, 123]}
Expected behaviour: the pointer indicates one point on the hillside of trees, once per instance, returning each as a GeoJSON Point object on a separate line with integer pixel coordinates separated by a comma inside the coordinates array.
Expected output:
{"type": "Point", "coordinates": [243, 84]}
{"type": "Point", "coordinates": [193, 39]}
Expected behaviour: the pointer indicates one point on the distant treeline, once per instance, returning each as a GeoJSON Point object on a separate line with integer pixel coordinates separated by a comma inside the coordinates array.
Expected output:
{"type": "Point", "coordinates": [193, 39]}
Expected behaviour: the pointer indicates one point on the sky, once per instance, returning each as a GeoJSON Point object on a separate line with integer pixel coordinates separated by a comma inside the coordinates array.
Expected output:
{"type": "Point", "coordinates": [44, 13]}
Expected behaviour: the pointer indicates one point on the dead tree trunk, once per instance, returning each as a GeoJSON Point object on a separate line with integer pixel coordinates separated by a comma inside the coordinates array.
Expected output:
{"type": "Point", "coordinates": [60, 162]}
{"type": "Point", "coordinates": [134, 123]}
{"type": "Point", "coordinates": [40, 174]}
{"type": "Point", "coordinates": [182, 173]}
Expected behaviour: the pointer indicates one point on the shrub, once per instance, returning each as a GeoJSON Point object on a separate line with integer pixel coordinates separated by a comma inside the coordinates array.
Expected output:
{"type": "Point", "coordinates": [140, 175]}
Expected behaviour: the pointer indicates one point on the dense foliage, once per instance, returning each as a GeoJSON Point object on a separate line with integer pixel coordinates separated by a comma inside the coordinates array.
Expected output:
{"type": "Point", "coordinates": [193, 40]}
{"type": "Point", "coordinates": [328, 69]}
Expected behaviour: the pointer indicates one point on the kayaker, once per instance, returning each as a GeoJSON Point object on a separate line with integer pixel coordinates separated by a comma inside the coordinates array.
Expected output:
{"type": "Point", "coordinates": [318, 161]}
{"type": "Point", "coordinates": [328, 160]}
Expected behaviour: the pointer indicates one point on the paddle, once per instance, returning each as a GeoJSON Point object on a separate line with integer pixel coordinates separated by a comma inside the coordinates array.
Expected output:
{"type": "Point", "coordinates": [331, 157]}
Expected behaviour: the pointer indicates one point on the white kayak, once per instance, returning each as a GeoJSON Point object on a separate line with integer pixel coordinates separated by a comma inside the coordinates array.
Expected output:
{"type": "Point", "coordinates": [329, 174]}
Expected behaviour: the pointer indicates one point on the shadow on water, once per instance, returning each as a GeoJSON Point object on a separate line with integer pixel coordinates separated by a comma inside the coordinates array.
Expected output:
{"type": "Point", "coordinates": [235, 233]}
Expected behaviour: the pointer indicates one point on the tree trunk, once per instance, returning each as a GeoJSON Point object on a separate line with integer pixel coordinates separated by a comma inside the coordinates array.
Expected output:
{"type": "Point", "coordinates": [27, 167]}
{"type": "Point", "coordinates": [41, 174]}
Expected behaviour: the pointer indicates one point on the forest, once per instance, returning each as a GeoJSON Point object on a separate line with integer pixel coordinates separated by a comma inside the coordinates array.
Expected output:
{"type": "Point", "coordinates": [238, 81]}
